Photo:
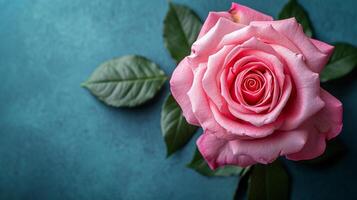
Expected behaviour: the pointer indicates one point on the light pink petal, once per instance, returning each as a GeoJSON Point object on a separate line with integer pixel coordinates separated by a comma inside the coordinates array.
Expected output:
{"type": "Point", "coordinates": [324, 47]}
{"type": "Point", "coordinates": [263, 31]}
{"type": "Point", "coordinates": [305, 101]}
{"type": "Point", "coordinates": [219, 152]}
{"type": "Point", "coordinates": [211, 20]}
{"type": "Point", "coordinates": [316, 55]}
{"type": "Point", "coordinates": [329, 119]}
{"type": "Point", "coordinates": [210, 80]}
{"type": "Point", "coordinates": [314, 147]}
{"type": "Point", "coordinates": [207, 44]}
{"type": "Point", "coordinates": [180, 83]}
{"type": "Point", "coordinates": [200, 104]}
{"type": "Point", "coordinates": [323, 126]}
{"type": "Point", "coordinates": [244, 15]}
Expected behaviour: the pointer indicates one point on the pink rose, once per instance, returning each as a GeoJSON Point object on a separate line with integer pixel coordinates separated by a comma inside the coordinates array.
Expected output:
{"type": "Point", "coordinates": [253, 85]}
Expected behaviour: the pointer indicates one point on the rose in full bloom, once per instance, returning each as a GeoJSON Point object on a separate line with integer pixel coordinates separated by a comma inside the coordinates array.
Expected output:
{"type": "Point", "coordinates": [252, 84]}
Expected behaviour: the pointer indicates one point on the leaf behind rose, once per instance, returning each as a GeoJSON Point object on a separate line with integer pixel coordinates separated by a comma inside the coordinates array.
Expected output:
{"type": "Point", "coordinates": [242, 185]}
{"type": "Point", "coordinates": [181, 28]}
{"type": "Point", "coordinates": [126, 82]}
{"type": "Point", "coordinates": [294, 9]}
{"type": "Point", "coordinates": [267, 182]}
{"type": "Point", "coordinates": [175, 130]}
{"type": "Point", "coordinates": [342, 62]}
{"type": "Point", "coordinates": [199, 164]}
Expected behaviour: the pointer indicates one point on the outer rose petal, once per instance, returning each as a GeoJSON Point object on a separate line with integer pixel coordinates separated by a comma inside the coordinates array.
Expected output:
{"type": "Point", "coordinates": [237, 13]}
{"type": "Point", "coordinates": [219, 152]}
{"type": "Point", "coordinates": [180, 83]}
{"type": "Point", "coordinates": [324, 47]}
{"type": "Point", "coordinates": [263, 30]}
{"type": "Point", "coordinates": [211, 20]}
{"type": "Point", "coordinates": [314, 147]}
{"type": "Point", "coordinates": [244, 15]}
{"type": "Point", "coordinates": [306, 101]}
{"type": "Point", "coordinates": [326, 124]}
{"type": "Point", "coordinates": [329, 119]}
{"type": "Point", "coordinates": [207, 45]}
{"type": "Point", "coordinates": [290, 28]}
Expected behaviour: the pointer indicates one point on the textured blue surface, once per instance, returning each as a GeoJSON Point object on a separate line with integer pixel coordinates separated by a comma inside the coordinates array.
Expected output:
{"type": "Point", "coordinates": [59, 142]}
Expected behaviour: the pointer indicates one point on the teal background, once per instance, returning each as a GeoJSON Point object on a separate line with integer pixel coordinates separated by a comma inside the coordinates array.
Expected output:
{"type": "Point", "coordinates": [59, 142]}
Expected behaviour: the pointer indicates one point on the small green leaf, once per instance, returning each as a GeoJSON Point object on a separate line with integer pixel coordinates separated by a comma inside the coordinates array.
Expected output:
{"type": "Point", "coordinates": [294, 9]}
{"type": "Point", "coordinates": [268, 182]}
{"type": "Point", "coordinates": [335, 150]}
{"type": "Point", "coordinates": [181, 28]}
{"type": "Point", "coordinates": [342, 62]}
{"type": "Point", "coordinates": [199, 164]}
{"type": "Point", "coordinates": [126, 82]}
{"type": "Point", "coordinates": [176, 131]}
{"type": "Point", "coordinates": [242, 183]}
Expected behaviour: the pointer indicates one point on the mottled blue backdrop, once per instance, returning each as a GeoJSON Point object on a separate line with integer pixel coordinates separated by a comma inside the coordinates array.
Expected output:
{"type": "Point", "coordinates": [59, 142]}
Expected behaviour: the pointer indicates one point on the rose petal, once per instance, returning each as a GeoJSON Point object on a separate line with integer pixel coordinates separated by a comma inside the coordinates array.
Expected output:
{"type": "Point", "coordinates": [244, 15]}
{"type": "Point", "coordinates": [210, 81]}
{"type": "Point", "coordinates": [322, 46]}
{"type": "Point", "coordinates": [180, 83]}
{"type": "Point", "coordinates": [207, 44]}
{"type": "Point", "coordinates": [314, 147]}
{"type": "Point", "coordinates": [200, 104]}
{"type": "Point", "coordinates": [306, 100]}
{"type": "Point", "coordinates": [329, 119]}
{"type": "Point", "coordinates": [290, 28]}
{"type": "Point", "coordinates": [219, 152]}
{"type": "Point", "coordinates": [326, 124]}
{"type": "Point", "coordinates": [265, 32]}
{"type": "Point", "coordinates": [242, 128]}
{"type": "Point", "coordinates": [211, 20]}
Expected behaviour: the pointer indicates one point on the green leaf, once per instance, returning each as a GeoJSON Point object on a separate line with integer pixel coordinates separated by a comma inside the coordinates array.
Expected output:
{"type": "Point", "coordinates": [176, 131]}
{"type": "Point", "coordinates": [294, 9]}
{"type": "Point", "coordinates": [199, 164]}
{"type": "Point", "coordinates": [335, 150]}
{"type": "Point", "coordinates": [268, 182]}
{"type": "Point", "coordinates": [342, 62]}
{"type": "Point", "coordinates": [242, 183]}
{"type": "Point", "coordinates": [181, 28]}
{"type": "Point", "coordinates": [126, 82]}
{"type": "Point", "coordinates": [245, 171]}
